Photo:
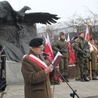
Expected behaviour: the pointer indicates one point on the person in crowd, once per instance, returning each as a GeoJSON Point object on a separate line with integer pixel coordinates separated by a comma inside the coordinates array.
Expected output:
{"type": "Point", "coordinates": [93, 54]}
{"type": "Point", "coordinates": [61, 46]}
{"type": "Point", "coordinates": [2, 61]}
{"type": "Point", "coordinates": [83, 54]}
{"type": "Point", "coordinates": [2, 68]}
{"type": "Point", "coordinates": [77, 70]}
{"type": "Point", "coordinates": [35, 71]}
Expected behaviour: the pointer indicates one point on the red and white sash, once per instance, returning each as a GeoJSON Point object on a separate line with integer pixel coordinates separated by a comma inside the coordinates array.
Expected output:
{"type": "Point", "coordinates": [94, 48]}
{"type": "Point", "coordinates": [37, 61]}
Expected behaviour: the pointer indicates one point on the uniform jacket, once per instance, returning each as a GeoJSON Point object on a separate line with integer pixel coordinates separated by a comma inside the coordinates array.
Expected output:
{"type": "Point", "coordinates": [61, 46]}
{"type": "Point", "coordinates": [36, 81]}
{"type": "Point", "coordinates": [82, 48]}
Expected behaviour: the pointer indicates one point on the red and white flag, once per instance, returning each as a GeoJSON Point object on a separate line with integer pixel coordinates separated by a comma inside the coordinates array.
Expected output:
{"type": "Point", "coordinates": [72, 58]}
{"type": "Point", "coordinates": [87, 34]}
{"type": "Point", "coordinates": [87, 38]}
{"type": "Point", "coordinates": [48, 49]}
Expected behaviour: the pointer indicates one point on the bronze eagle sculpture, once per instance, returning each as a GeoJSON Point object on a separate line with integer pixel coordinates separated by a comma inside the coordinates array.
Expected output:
{"type": "Point", "coordinates": [8, 14]}
{"type": "Point", "coordinates": [17, 28]}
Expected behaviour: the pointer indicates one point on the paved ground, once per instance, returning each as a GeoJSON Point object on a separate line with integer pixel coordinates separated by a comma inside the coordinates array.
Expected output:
{"type": "Point", "coordinates": [84, 90]}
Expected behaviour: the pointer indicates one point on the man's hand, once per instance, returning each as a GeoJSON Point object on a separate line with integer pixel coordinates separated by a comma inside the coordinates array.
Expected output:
{"type": "Point", "coordinates": [49, 69]}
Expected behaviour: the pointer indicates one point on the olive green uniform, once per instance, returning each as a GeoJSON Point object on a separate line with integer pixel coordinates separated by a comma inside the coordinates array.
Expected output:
{"type": "Point", "coordinates": [83, 55]}
{"type": "Point", "coordinates": [77, 71]}
{"type": "Point", "coordinates": [61, 46]}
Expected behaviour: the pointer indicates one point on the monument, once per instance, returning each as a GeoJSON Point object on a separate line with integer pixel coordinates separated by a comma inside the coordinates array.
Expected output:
{"type": "Point", "coordinates": [17, 28]}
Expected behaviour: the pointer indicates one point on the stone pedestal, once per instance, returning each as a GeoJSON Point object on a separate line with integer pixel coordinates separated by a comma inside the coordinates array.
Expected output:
{"type": "Point", "coordinates": [13, 73]}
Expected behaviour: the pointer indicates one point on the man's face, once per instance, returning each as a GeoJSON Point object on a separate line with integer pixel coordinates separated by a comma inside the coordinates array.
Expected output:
{"type": "Point", "coordinates": [82, 35]}
{"type": "Point", "coordinates": [38, 50]}
{"type": "Point", "coordinates": [62, 37]}
{"type": "Point", "coordinates": [76, 39]}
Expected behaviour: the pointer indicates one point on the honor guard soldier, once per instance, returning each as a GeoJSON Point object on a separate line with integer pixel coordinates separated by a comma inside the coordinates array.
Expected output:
{"type": "Point", "coordinates": [61, 46]}
{"type": "Point", "coordinates": [83, 54]}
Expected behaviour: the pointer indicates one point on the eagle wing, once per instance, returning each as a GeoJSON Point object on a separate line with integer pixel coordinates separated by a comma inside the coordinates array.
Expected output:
{"type": "Point", "coordinates": [8, 14]}
{"type": "Point", "coordinates": [40, 17]}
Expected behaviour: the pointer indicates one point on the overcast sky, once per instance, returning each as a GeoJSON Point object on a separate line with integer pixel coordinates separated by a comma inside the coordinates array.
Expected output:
{"type": "Point", "coordinates": [63, 8]}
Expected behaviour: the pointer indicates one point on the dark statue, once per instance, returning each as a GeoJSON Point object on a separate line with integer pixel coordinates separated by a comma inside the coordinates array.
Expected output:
{"type": "Point", "coordinates": [17, 28]}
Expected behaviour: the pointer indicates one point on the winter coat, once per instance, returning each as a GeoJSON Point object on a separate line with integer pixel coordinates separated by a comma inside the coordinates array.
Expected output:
{"type": "Point", "coordinates": [82, 48]}
{"type": "Point", "coordinates": [36, 81]}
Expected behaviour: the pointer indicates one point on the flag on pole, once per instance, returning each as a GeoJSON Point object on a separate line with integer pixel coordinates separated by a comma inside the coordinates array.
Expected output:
{"type": "Point", "coordinates": [68, 39]}
{"type": "Point", "coordinates": [87, 37]}
{"type": "Point", "coordinates": [72, 58]}
{"type": "Point", "coordinates": [54, 76]}
{"type": "Point", "coordinates": [48, 49]}
{"type": "Point", "coordinates": [87, 34]}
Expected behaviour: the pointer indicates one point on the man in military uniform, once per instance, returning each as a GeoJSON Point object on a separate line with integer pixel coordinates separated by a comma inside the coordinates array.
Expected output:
{"type": "Point", "coordinates": [61, 46]}
{"type": "Point", "coordinates": [77, 70]}
{"type": "Point", "coordinates": [83, 53]}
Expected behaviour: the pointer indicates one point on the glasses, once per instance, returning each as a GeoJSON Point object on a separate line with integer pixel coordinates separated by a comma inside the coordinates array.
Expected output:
{"type": "Point", "coordinates": [41, 47]}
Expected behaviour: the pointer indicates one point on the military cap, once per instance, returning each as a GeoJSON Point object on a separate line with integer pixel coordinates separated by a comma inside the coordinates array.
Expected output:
{"type": "Point", "coordinates": [61, 33]}
{"type": "Point", "coordinates": [75, 37]}
{"type": "Point", "coordinates": [36, 42]}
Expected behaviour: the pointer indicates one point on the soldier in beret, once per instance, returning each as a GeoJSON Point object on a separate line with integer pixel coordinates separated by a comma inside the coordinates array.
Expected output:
{"type": "Point", "coordinates": [77, 71]}
{"type": "Point", "coordinates": [36, 72]}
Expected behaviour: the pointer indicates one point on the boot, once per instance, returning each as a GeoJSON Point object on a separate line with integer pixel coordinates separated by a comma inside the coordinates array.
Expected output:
{"type": "Point", "coordinates": [94, 75]}
{"type": "Point", "coordinates": [86, 78]}
{"type": "Point", "coordinates": [95, 78]}
{"type": "Point", "coordinates": [82, 78]}
{"type": "Point", "coordinates": [77, 78]}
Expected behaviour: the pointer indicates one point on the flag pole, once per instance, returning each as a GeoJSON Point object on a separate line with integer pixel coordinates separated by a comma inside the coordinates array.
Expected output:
{"type": "Point", "coordinates": [87, 38]}
{"type": "Point", "coordinates": [73, 94]}
{"type": "Point", "coordinates": [90, 70]}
